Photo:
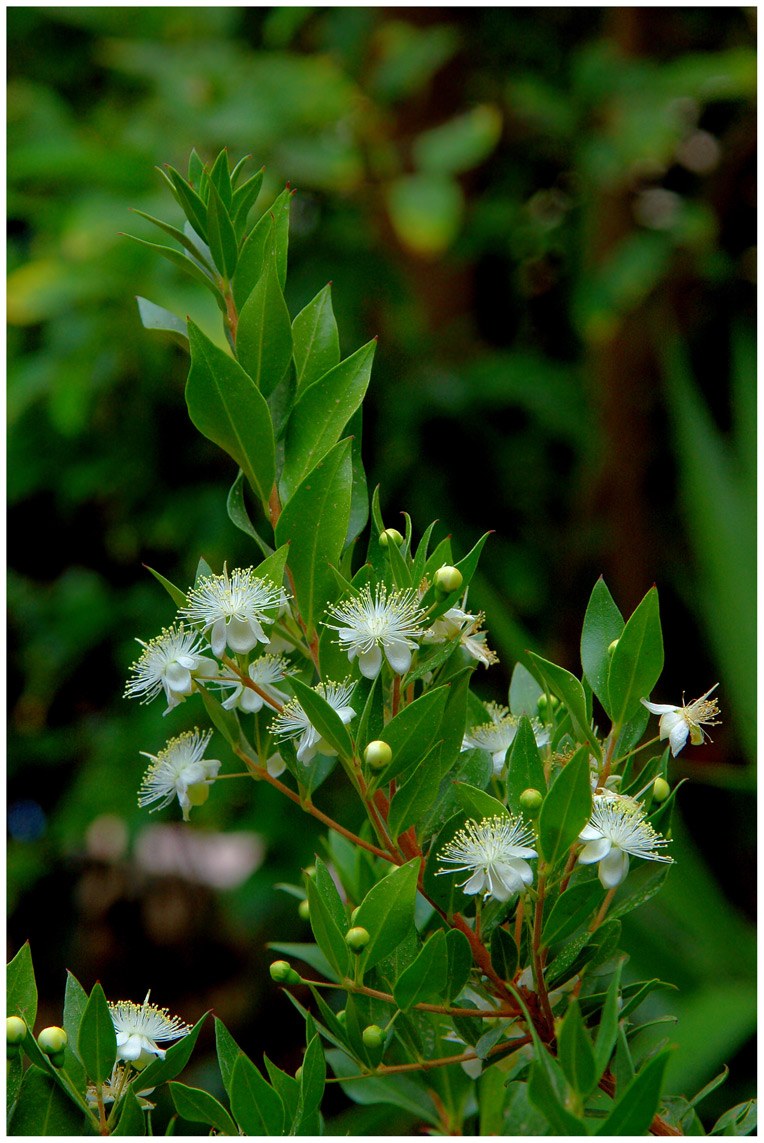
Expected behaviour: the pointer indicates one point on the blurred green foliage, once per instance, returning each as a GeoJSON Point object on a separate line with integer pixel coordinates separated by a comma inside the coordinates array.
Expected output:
{"type": "Point", "coordinates": [547, 215]}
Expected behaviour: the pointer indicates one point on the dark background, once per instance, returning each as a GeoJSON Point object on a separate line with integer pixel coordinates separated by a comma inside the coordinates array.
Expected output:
{"type": "Point", "coordinates": [548, 217]}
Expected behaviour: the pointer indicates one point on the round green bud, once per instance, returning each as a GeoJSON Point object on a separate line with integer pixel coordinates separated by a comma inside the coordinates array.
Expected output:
{"type": "Point", "coordinates": [547, 704]}
{"type": "Point", "coordinates": [530, 801]}
{"type": "Point", "coordinates": [198, 793]}
{"type": "Point", "coordinates": [15, 1030]}
{"type": "Point", "coordinates": [378, 755]}
{"type": "Point", "coordinates": [298, 1074]}
{"type": "Point", "coordinates": [390, 535]}
{"type": "Point", "coordinates": [612, 647]}
{"type": "Point", "coordinates": [373, 1036]}
{"type": "Point", "coordinates": [58, 1059]}
{"type": "Point", "coordinates": [52, 1040]}
{"type": "Point", "coordinates": [661, 789]}
{"type": "Point", "coordinates": [357, 939]}
{"type": "Point", "coordinates": [309, 871]}
{"type": "Point", "coordinates": [283, 973]}
{"type": "Point", "coordinates": [12, 1051]}
{"type": "Point", "coordinates": [303, 910]}
{"type": "Point", "coordinates": [342, 1017]}
{"type": "Point", "coordinates": [448, 579]}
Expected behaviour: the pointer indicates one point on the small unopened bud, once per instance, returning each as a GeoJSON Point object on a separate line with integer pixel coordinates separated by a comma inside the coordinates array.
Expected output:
{"type": "Point", "coordinates": [342, 1017]}
{"type": "Point", "coordinates": [661, 789]}
{"type": "Point", "coordinates": [303, 910]}
{"type": "Point", "coordinates": [530, 801]}
{"type": "Point", "coordinates": [378, 755]}
{"type": "Point", "coordinates": [390, 535]}
{"type": "Point", "coordinates": [612, 647]}
{"type": "Point", "coordinates": [547, 704]}
{"type": "Point", "coordinates": [448, 579]}
{"type": "Point", "coordinates": [52, 1040]}
{"type": "Point", "coordinates": [357, 939]}
{"type": "Point", "coordinates": [198, 793]}
{"type": "Point", "coordinates": [298, 1074]}
{"type": "Point", "coordinates": [310, 871]}
{"type": "Point", "coordinates": [283, 973]}
{"type": "Point", "coordinates": [373, 1036]}
{"type": "Point", "coordinates": [15, 1030]}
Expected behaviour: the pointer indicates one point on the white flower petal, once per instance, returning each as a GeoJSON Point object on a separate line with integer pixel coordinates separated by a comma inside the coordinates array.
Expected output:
{"type": "Point", "coordinates": [240, 635]}
{"type": "Point", "coordinates": [398, 655]}
{"type": "Point", "coordinates": [178, 678]}
{"type": "Point", "coordinates": [370, 662]}
{"type": "Point", "coordinates": [275, 765]}
{"type": "Point", "coordinates": [613, 868]}
{"type": "Point", "coordinates": [218, 637]}
{"type": "Point", "coordinates": [595, 850]}
{"type": "Point", "coordinates": [657, 707]}
{"type": "Point", "coordinates": [476, 882]}
{"type": "Point", "coordinates": [677, 736]}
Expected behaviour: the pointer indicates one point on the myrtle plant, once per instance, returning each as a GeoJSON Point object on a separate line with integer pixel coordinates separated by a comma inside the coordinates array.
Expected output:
{"type": "Point", "coordinates": [466, 964]}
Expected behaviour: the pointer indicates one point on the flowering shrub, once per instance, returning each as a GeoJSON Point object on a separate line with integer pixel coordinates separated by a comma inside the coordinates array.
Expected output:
{"type": "Point", "coordinates": [466, 963]}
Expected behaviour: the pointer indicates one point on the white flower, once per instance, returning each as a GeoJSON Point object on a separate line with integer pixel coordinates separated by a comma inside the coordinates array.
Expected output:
{"type": "Point", "coordinates": [498, 735]}
{"type": "Point", "coordinates": [114, 1088]}
{"type": "Point", "coordinates": [266, 670]}
{"type": "Point", "coordinates": [386, 623]}
{"type": "Point", "coordinates": [618, 828]}
{"type": "Point", "coordinates": [139, 1026]}
{"type": "Point", "coordinates": [275, 765]}
{"type": "Point", "coordinates": [181, 769]}
{"type": "Point", "coordinates": [492, 851]}
{"type": "Point", "coordinates": [293, 722]}
{"type": "Point", "coordinates": [233, 609]}
{"type": "Point", "coordinates": [172, 663]}
{"type": "Point", "coordinates": [679, 721]}
{"type": "Point", "coordinates": [456, 622]}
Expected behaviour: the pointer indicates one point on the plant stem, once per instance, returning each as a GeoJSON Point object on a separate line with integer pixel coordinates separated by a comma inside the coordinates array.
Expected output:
{"type": "Point", "coordinates": [247, 682]}
{"type": "Point", "coordinates": [427, 1065]}
{"type": "Point", "coordinates": [603, 909]}
{"type": "Point", "coordinates": [536, 950]}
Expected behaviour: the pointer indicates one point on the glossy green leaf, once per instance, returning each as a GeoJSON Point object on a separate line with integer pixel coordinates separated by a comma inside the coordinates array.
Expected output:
{"type": "Point", "coordinates": [603, 623]}
{"type": "Point", "coordinates": [547, 1092]}
{"type": "Point", "coordinates": [637, 661]}
{"type": "Point", "coordinates": [75, 1003]}
{"type": "Point", "coordinates": [571, 910]}
{"type": "Point", "coordinates": [329, 933]}
{"type": "Point", "coordinates": [176, 595]}
{"type": "Point", "coordinates": [132, 1120]}
{"type": "Point", "coordinates": [566, 808]}
{"type": "Point", "coordinates": [176, 1058]}
{"type": "Point", "coordinates": [182, 238]}
{"type": "Point", "coordinates": [576, 1053]}
{"type": "Point", "coordinates": [256, 1107]}
{"type": "Point", "coordinates": [288, 1089]}
{"type": "Point", "coordinates": [199, 1106]}
{"type": "Point", "coordinates": [220, 178]}
{"type": "Point", "coordinates": [190, 202]}
{"type": "Point", "coordinates": [400, 1090]}
{"type": "Point", "coordinates": [313, 1077]}
{"type": "Point", "coordinates": [323, 717]}
{"type": "Point", "coordinates": [416, 794]}
{"type": "Point", "coordinates": [157, 317]}
{"type": "Point", "coordinates": [451, 730]}
{"type": "Point", "coordinates": [42, 1108]}
{"type": "Point", "coordinates": [441, 881]}
{"type": "Point", "coordinates": [322, 412]}
{"type": "Point", "coordinates": [412, 732]}
{"type": "Point", "coordinates": [238, 514]}
{"type": "Point", "coordinates": [359, 498]}
{"type": "Point", "coordinates": [459, 962]}
{"type": "Point", "coordinates": [525, 770]}
{"type": "Point", "coordinates": [220, 234]}
{"type": "Point", "coordinates": [634, 1110]}
{"type": "Point", "coordinates": [607, 1032]}
{"type": "Point", "coordinates": [187, 265]}
{"type": "Point", "coordinates": [314, 523]}
{"type": "Point", "coordinates": [524, 692]}
{"type": "Point", "coordinates": [570, 691]}
{"type": "Point", "coordinates": [243, 199]}
{"type": "Point", "coordinates": [644, 881]}
{"type": "Point", "coordinates": [310, 953]}
{"type": "Point", "coordinates": [425, 980]}
{"type": "Point", "coordinates": [315, 338]}
{"type": "Point", "coordinates": [739, 1120]}
{"type": "Point", "coordinates": [272, 229]}
{"type": "Point", "coordinates": [387, 912]}
{"type": "Point", "coordinates": [226, 407]}
{"type": "Point", "coordinates": [264, 332]}
{"type": "Point", "coordinates": [472, 768]}
{"type": "Point", "coordinates": [97, 1040]}
{"type": "Point", "coordinates": [228, 1052]}
{"type": "Point", "coordinates": [21, 989]}
{"type": "Point", "coordinates": [398, 568]}
{"type": "Point", "coordinates": [505, 955]}
{"type": "Point", "coordinates": [478, 803]}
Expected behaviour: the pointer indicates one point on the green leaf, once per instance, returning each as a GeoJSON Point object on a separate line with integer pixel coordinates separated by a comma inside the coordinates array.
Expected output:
{"type": "Point", "coordinates": [359, 499]}
{"type": "Point", "coordinates": [157, 317]}
{"type": "Point", "coordinates": [227, 1052]}
{"type": "Point", "coordinates": [42, 1108]}
{"type": "Point", "coordinates": [271, 230]}
{"type": "Point", "coordinates": [176, 595]}
{"type": "Point", "coordinates": [525, 770]}
{"type": "Point", "coordinates": [425, 980]}
{"type": "Point", "coordinates": [399, 569]}
{"type": "Point", "coordinates": [191, 203]}
{"type": "Point", "coordinates": [199, 1106]}
{"type": "Point", "coordinates": [220, 178]}
{"type": "Point", "coordinates": [288, 1089]}
{"type": "Point", "coordinates": [315, 338]}
{"type": "Point", "coordinates": [412, 732]}
{"type": "Point", "coordinates": [607, 1032]}
{"type": "Point", "coordinates": [524, 692]}
{"type": "Point", "coordinates": [328, 931]}
{"type": "Point", "coordinates": [420, 559]}
{"type": "Point", "coordinates": [21, 989]}
{"type": "Point", "coordinates": [416, 794]}
{"type": "Point", "coordinates": [505, 955]}
{"type": "Point", "coordinates": [132, 1120]}
{"type": "Point", "coordinates": [323, 717]}
{"type": "Point", "coordinates": [603, 623]}
{"type": "Point", "coordinates": [400, 1090]}
{"type": "Point", "coordinates": [180, 237]}
{"type": "Point", "coordinates": [14, 1075]}
{"type": "Point", "coordinates": [443, 890]}
{"type": "Point", "coordinates": [566, 808]}
{"type": "Point", "coordinates": [243, 199]}
{"type": "Point", "coordinates": [75, 1003]}
{"type": "Point", "coordinates": [256, 1107]}
{"type": "Point", "coordinates": [97, 1040]}
{"type": "Point", "coordinates": [314, 523]}
{"type": "Point", "coordinates": [226, 407]}
{"type": "Point", "coordinates": [547, 1092]}
{"type": "Point", "coordinates": [310, 953]}
{"type": "Point", "coordinates": [479, 804]}
{"type": "Point", "coordinates": [312, 1078]}
{"type": "Point", "coordinates": [633, 1112]}
{"type": "Point", "coordinates": [238, 515]}
{"type": "Point", "coordinates": [188, 266]}
{"type": "Point", "coordinates": [264, 332]}
{"type": "Point", "coordinates": [570, 690]}
{"type": "Point", "coordinates": [321, 413]}
{"type": "Point", "coordinates": [575, 1052]}
{"type": "Point", "coordinates": [637, 661]}
{"type": "Point", "coordinates": [160, 1071]}
{"type": "Point", "coordinates": [452, 724]}
{"type": "Point", "coordinates": [643, 882]}
{"type": "Point", "coordinates": [387, 912]}
{"type": "Point", "coordinates": [221, 236]}
{"type": "Point", "coordinates": [571, 910]}
{"type": "Point", "coordinates": [459, 963]}
{"type": "Point", "coordinates": [226, 721]}
{"type": "Point", "coordinates": [739, 1120]}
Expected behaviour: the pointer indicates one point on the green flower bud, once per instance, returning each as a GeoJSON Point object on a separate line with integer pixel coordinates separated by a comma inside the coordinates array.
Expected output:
{"type": "Point", "coordinates": [303, 910]}
{"type": "Point", "coordinates": [390, 535]}
{"type": "Point", "coordinates": [58, 1059]}
{"type": "Point", "coordinates": [357, 939]}
{"type": "Point", "coordinates": [15, 1030]}
{"type": "Point", "coordinates": [52, 1040]}
{"type": "Point", "coordinates": [530, 801]}
{"type": "Point", "coordinates": [612, 647]}
{"type": "Point", "coordinates": [283, 973]}
{"type": "Point", "coordinates": [378, 755]}
{"type": "Point", "coordinates": [547, 704]}
{"type": "Point", "coordinates": [298, 1074]}
{"type": "Point", "coordinates": [661, 789]}
{"type": "Point", "coordinates": [310, 871]}
{"type": "Point", "coordinates": [342, 1017]}
{"type": "Point", "coordinates": [373, 1036]}
{"type": "Point", "coordinates": [448, 579]}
